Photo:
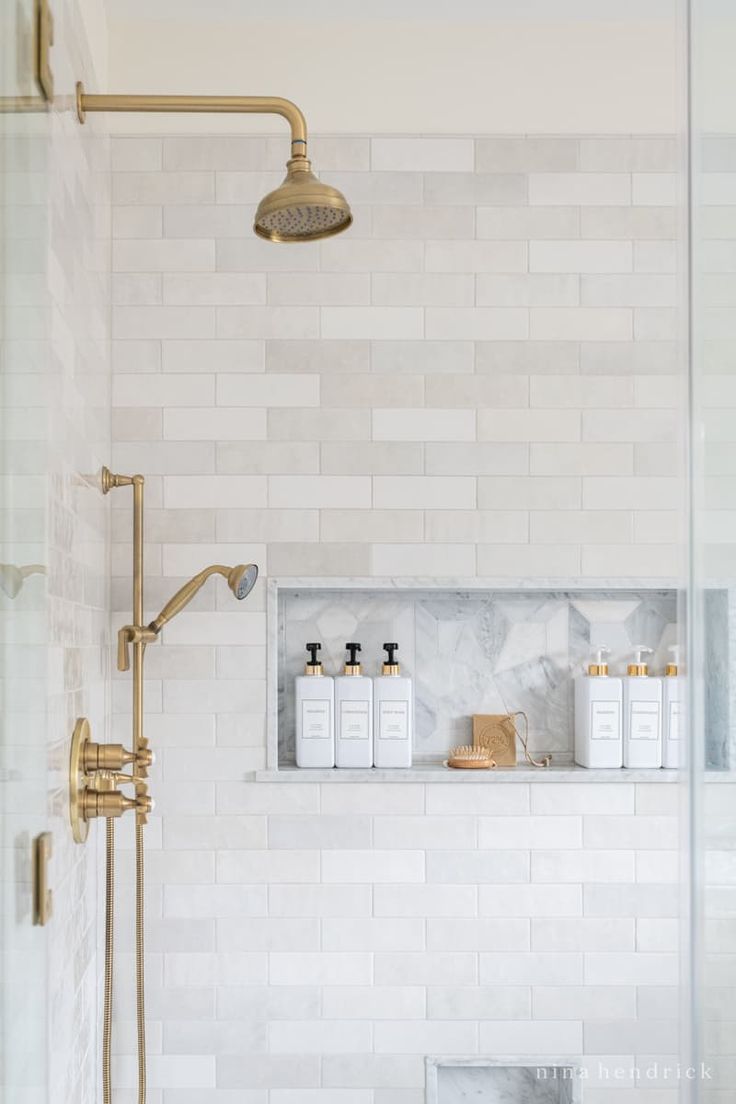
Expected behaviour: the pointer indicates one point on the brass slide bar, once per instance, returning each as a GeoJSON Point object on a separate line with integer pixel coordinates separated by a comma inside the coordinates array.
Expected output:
{"type": "Point", "coordinates": [236, 105]}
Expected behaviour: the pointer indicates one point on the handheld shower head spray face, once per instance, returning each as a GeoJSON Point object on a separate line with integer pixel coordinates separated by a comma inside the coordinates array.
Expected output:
{"type": "Point", "coordinates": [302, 208]}
{"type": "Point", "coordinates": [242, 579]}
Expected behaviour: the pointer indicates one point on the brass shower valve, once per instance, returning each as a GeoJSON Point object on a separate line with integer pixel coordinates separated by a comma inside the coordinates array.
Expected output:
{"type": "Point", "coordinates": [103, 799]}
{"type": "Point", "coordinates": [113, 757]}
{"type": "Point", "coordinates": [105, 757]}
{"type": "Point", "coordinates": [111, 803]}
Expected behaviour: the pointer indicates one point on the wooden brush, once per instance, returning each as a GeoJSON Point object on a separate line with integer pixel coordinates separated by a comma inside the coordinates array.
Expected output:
{"type": "Point", "coordinates": [466, 757]}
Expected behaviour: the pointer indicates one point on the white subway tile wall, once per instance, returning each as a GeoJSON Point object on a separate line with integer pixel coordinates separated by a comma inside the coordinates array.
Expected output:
{"type": "Point", "coordinates": [540, 271]}
{"type": "Point", "coordinates": [480, 378]}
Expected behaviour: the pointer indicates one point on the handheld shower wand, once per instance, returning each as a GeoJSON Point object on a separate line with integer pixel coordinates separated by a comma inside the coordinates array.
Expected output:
{"type": "Point", "coordinates": [241, 579]}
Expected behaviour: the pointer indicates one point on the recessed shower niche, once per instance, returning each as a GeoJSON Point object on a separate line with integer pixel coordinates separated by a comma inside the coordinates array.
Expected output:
{"type": "Point", "coordinates": [502, 1081]}
{"type": "Point", "coordinates": [469, 649]}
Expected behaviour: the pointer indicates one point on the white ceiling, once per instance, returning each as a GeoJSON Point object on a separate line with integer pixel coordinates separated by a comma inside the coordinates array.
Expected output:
{"type": "Point", "coordinates": [408, 66]}
{"type": "Point", "coordinates": [341, 11]}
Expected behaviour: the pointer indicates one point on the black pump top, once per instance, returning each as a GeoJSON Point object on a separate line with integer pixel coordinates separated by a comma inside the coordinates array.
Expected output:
{"type": "Point", "coordinates": [313, 657]}
{"type": "Point", "coordinates": [390, 649]}
{"type": "Point", "coordinates": [353, 650]}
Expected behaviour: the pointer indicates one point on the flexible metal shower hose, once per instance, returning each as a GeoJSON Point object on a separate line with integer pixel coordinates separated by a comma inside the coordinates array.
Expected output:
{"type": "Point", "coordinates": [109, 932]}
{"type": "Point", "coordinates": [139, 962]}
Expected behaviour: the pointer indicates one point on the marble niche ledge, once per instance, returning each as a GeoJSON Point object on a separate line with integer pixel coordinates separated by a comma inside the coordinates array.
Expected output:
{"type": "Point", "coordinates": [435, 772]}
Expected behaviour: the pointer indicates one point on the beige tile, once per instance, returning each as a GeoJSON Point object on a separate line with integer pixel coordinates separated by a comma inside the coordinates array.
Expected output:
{"type": "Point", "coordinates": [529, 425]}
{"type": "Point", "coordinates": [409, 560]}
{"type": "Point", "coordinates": [336, 357]}
{"type": "Point", "coordinates": [477, 526]}
{"type": "Point", "coordinates": [422, 154]}
{"type": "Point", "coordinates": [526, 153]}
{"type": "Point", "coordinates": [371, 525]}
{"type": "Point", "coordinates": [374, 390]}
{"type": "Point", "coordinates": [372, 458]}
{"type": "Point", "coordinates": [319, 425]}
{"type": "Point", "coordinates": [266, 457]}
{"type": "Point", "coordinates": [424, 425]}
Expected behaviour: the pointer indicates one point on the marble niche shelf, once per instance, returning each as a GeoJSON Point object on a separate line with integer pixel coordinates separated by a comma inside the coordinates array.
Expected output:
{"type": "Point", "coordinates": [503, 1081]}
{"type": "Point", "coordinates": [471, 646]}
{"type": "Point", "coordinates": [435, 772]}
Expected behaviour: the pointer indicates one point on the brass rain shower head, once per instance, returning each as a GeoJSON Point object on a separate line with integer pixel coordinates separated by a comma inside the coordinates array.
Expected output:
{"type": "Point", "coordinates": [241, 579]}
{"type": "Point", "coordinates": [301, 208]}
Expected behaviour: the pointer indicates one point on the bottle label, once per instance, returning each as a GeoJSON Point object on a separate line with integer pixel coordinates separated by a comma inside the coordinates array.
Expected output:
{"type": "Point", "coordinates": [316, 719]}
{"type": "Point", "coordinates": [644, 717]}
{"type": "Point", "coordinates": [354, 720]}
{"type": "Point", "coordinates": [393, 720]}
{"type": "Point", "coordinates": [605, 720]}
{"type": "Point", "coordinates": [675, 712]}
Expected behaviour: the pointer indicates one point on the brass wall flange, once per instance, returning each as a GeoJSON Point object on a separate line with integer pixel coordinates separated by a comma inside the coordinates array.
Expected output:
{"type": "Point", "coordinates": [78, 780]}
{"type": "Point", "coordinates": [108, 480]}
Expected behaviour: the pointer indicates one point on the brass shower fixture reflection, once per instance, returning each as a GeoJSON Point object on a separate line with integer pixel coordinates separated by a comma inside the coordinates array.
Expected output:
{"type": "Point", "coordinates": [302, 208]}
{"type": "Point", "coordinates": [13, 577]}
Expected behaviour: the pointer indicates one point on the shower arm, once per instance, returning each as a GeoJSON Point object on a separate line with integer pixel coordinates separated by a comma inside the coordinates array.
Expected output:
{"type": "Point", "coordinates": [236, 105]}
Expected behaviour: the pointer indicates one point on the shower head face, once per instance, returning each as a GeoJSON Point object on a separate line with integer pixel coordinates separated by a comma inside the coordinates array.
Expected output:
{"type": "Point", "coordinates": [302, 208]}
{"type": "Point", "coordinates": [241, 580]}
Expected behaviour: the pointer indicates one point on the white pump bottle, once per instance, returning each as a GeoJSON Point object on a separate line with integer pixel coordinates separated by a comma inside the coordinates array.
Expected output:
{"type": "Point", "coordinates": [393, 714]}
{"type": "Point", "coordinates": [598, 716]}
{"type": "Point", "coordinates": [315, 708]}
{"type": "Point", "coordinates": [673, 712]}
{"type": "Point", "coordinates": [353, 714]}
{"type": "Point", "coordinates": [642, 714]}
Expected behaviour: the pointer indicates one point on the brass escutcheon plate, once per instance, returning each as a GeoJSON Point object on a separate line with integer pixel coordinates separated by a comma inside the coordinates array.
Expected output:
{"type": "Point", "coordinates": [78, 780]}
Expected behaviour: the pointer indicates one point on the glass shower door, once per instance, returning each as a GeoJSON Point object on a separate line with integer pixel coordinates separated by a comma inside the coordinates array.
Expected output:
{"type": "Point", "coordinates": [712, 951]}
{"type": "Point", "coordinates": [23, 605]}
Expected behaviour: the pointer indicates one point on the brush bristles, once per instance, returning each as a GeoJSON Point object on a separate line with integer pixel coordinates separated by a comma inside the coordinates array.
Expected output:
{"type": "Point", "coordinates": [465, 755]}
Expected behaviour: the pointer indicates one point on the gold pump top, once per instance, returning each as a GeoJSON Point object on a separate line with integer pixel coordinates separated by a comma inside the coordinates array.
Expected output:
{"type": "Point", "coordinates": [639, 668]}
{"type": "Point", "coordinates": [314, 665]}
{"type": "Point", "coordinates": [390, 664]}
{"type": "Point", "coordinates": [352, 665]}
{"type": "Point", "coordinates": [599, 668]}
